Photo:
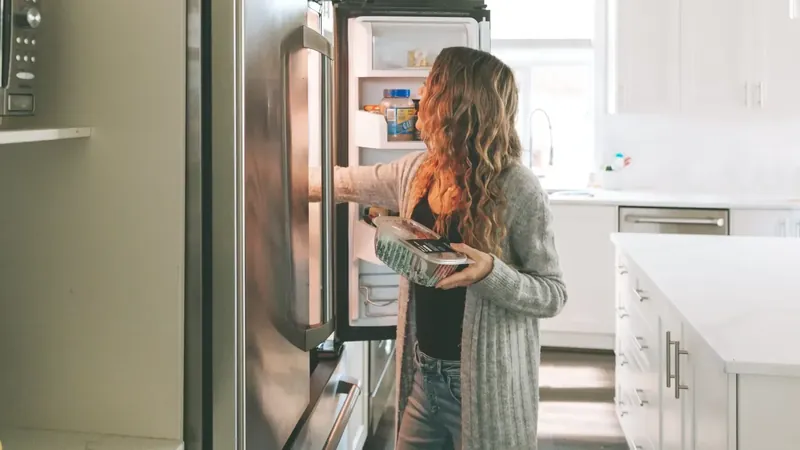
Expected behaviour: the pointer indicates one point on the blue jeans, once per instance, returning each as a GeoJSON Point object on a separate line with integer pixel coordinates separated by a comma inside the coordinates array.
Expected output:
{"type": "Point", "coordinates": [432, 418]}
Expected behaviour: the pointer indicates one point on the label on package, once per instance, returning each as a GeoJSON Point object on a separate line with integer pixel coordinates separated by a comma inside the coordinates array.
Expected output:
{"type": "Point", "coordinates": [431, 245]}
{"type": "Point", "coordinates": [401, 121]}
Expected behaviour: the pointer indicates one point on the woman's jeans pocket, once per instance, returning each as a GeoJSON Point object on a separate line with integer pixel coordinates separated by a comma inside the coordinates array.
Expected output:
{"type": "Point", "coordinates": [453, 380]}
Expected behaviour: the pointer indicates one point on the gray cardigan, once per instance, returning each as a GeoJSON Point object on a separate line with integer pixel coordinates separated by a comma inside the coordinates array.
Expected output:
{"type": "Point", "coordinates": [500, 340]}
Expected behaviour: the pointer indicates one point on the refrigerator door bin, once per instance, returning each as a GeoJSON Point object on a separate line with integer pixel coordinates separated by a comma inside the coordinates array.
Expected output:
{"type": "Point", "coordinates": [371, 132]}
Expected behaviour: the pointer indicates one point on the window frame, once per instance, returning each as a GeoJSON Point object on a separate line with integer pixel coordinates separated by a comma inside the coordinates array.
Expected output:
{"type": "Point", "coordinates": [514, 53]}
{"type": "Point", "coordinates": [598, 45]}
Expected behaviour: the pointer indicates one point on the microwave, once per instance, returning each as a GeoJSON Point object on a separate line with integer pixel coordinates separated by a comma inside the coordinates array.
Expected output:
{"type": "Point", "coordinates": [18, 28]}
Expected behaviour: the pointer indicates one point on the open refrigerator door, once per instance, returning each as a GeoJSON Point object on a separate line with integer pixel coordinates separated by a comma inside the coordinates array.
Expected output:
{"type": "Point", "coordinates": [386, 49]}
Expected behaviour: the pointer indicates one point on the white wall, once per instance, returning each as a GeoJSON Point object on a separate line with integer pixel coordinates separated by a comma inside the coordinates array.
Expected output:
{"type": "Point", "coordinates": [92, 231]}
{"type": "Point", "coordinates": [741, 155]}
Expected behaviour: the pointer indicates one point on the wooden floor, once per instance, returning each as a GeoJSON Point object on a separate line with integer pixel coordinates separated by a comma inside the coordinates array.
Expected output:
{"type": "Point", "coordinates": [576, 410]}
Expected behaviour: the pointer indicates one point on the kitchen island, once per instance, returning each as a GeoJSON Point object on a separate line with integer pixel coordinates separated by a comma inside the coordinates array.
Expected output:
{"type": "Point", "coordinates": [708, 330]}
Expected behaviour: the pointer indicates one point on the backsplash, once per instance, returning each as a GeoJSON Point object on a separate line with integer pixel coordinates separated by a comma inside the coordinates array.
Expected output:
{"type": "Point", "coordinates": [731, 156]}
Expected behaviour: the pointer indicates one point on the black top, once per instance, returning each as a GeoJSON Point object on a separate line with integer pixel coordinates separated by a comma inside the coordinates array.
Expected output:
{"type": "Point", "coordinates": [439, 313]}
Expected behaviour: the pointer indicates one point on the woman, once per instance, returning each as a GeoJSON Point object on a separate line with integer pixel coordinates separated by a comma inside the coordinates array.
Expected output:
{"type": "Point", "coordinates": [475, 336]}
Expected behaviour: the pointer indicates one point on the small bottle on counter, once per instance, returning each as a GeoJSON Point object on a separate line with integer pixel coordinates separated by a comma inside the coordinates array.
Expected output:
{"type": "Point", "coordinates": [401, 116]}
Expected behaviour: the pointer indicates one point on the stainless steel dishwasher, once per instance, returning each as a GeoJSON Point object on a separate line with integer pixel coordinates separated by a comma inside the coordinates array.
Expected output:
{"type": "Point", "coordinates": [673, 220]}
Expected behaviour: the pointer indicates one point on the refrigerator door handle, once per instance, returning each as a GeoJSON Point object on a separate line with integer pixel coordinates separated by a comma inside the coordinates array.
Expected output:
{"type": "Point", "coordinates": [301, 38]}
{"type": "Point", "coordinates": [353, 391]}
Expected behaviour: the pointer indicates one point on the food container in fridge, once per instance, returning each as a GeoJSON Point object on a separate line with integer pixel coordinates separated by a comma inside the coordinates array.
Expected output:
{"type": "Point", "coordinates": [414, 251]}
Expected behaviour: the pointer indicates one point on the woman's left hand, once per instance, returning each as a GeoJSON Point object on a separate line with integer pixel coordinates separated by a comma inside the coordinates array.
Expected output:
{"type": "Point", "coordinates": [482, 265]}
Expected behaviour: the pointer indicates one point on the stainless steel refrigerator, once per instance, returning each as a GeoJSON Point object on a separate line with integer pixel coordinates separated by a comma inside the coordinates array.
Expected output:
{"type": "Point", "coordinates": [276, 286]}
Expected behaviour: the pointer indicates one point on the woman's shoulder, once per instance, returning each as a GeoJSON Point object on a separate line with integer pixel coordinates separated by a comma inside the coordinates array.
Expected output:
{"type": "Point", "coordinates": [519, 181]}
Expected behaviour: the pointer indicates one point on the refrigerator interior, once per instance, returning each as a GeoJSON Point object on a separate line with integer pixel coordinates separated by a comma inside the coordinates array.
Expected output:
{"type": "Point", "coordinates": [92, 235]}
{"type": "Point", "coordinates": [381, 49]}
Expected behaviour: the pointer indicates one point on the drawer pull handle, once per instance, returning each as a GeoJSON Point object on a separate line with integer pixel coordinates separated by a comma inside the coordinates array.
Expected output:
{"type": "Point", "coordinates": [638, 294]}
{"type": "Point", "coordinates": [639, 399]}
{"type": "Point", "coordinates": [638, 342]}
{"type": "Point", "coordinates": [678, 386]}
{"type": "Point", "coordinates": [668, 361]}
{"type": "Point", "coordinates": [623, 313]}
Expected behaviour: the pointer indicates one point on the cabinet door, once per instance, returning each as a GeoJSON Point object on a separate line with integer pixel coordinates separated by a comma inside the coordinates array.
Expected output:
{"type": "Point", "coordinates": [709, 396]}
{"type": "Point", "coordinates": [587, 258]}
{"type": "Point", "coordinates": [778, 64]}
{"type": "Point", "coordinates": [672, 408]}
{"type": "Point", "coordinates": [715, 56]}
{"type": "Point", "coordinates": [643, 56]}
{"type": "Point", "coordinates": [755, 222]}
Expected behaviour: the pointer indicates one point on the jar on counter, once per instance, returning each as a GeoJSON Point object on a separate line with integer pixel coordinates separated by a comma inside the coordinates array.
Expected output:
{"type": "Point", "coordinates": [400, 114]}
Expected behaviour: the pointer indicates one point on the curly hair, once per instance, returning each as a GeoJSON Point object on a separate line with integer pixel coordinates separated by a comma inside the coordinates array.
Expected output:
{"type": "Point", "coordinates": [467, 119]}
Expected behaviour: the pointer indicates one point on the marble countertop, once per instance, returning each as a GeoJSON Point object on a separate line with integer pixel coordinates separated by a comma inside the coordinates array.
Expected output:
{"type": "Point", "coordinates": [741, 294]}
{"type": "Point", "coordinates": [662, 199]}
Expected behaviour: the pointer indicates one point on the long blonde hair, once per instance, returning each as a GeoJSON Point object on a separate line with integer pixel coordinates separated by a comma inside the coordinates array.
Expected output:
{"type": "Point", "coordinates": [467, 118]}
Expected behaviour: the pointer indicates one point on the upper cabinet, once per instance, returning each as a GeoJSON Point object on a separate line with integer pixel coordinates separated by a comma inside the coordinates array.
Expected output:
{"type": "Point", "coordinates": [643, 56]}
{"type": "Point", "coordinates": [777, 56]}
{"type": "Point", "coordinates": [704, 56]}
{"type": "Point", "coordinates": [714, 61]}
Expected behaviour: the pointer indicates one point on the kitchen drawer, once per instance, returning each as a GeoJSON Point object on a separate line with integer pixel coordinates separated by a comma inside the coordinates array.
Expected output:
{"type": "Point", "coordinates": [642, 339]}
{"type": "Point", "coordinates": [638, 295]}
{"type": "Point", "coordinates": [631, 418]}
{"type": "Point", "coordinates": [639, 378]}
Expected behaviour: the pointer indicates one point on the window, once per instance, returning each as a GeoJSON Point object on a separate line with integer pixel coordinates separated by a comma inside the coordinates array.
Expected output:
{"type": "Point", "coordinates": [550, 45]}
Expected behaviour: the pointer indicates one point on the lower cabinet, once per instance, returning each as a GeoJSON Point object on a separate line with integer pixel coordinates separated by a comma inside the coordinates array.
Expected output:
{"type": "Point", "coordinates": [673, 391]}
{"type": "Point", "coordinates": [586, 255]}
{"type": "Point", "coordinates": [765, 222]}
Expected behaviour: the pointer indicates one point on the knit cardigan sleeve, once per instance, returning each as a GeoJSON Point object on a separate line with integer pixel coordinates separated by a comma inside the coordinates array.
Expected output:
{"type": "Point", "coordinates": [533, 285]}
{"type": "Point", "coordinates": [379, 185]}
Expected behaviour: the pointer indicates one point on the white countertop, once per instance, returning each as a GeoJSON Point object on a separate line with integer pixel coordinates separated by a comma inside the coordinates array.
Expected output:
{"type": "Point", "coordinates": [18, 439]}
{"type": "Point", "coordinates": [663, 199]}
{"type": "Point", "coordinates": [741, 294]}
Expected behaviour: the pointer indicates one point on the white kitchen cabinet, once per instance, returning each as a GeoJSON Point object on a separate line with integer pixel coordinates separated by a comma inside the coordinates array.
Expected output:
{"type": "Point", "coordinates": [643, 56]}
{"type": "Point", "coordinates": [685, 400]}
{"type": "Point", "coordinates": [710, 397]}
{"type": "Point", "coordinates": [714, 51]}
{"type": "Point", "coordinates": [776, 62]}
{"type": "Point", "coordinates": [586, 256]}
{"type": "Point", "coordinates": [703, 56]}
{"type": "Point", "coordinates": [765, 222]}
{"type": "Point", "coordinates": [705, 402]}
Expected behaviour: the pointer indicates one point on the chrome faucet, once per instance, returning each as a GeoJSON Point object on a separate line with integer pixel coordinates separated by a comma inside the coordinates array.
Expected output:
{"type": "Point", "coordinates": [549, 130]}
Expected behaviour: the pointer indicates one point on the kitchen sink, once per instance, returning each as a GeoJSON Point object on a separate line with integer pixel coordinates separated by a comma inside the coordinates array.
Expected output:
{"type": "Point", "coordinates": [571, 193]}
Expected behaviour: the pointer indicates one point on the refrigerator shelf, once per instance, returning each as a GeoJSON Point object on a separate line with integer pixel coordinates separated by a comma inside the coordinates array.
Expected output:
{"type": "Point", "coordinates": [39, 135]}
{"type": "Point", "coordinates": [371, 132]}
